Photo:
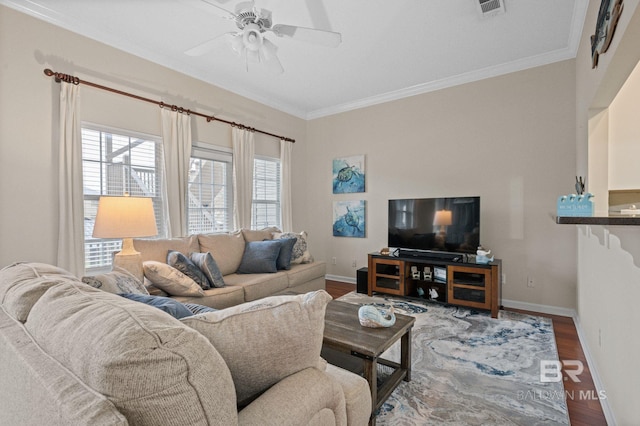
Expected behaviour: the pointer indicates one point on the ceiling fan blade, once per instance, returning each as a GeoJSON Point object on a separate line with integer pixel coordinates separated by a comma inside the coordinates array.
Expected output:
{"type": "Point", "coordinates": [269, 57]}
{"type": "Point", "coordinates": [318, 14]}
{"type": "Point", "coordinates": [237, 44]}
{"type": "Point", "coordinates": [205, 47]}
{"type": "Point", "coordinates": [310, 35]}
{"type": "Point", "coordinates": [220, 11]}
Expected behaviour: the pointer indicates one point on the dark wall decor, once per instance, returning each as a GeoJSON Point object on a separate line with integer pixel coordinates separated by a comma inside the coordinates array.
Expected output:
{"type": "Point", "coordinates": [608, 16]}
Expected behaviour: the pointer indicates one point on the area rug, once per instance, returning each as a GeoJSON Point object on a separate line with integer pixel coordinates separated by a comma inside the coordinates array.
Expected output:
{"type": "Point", "coordinates": [471, 369]}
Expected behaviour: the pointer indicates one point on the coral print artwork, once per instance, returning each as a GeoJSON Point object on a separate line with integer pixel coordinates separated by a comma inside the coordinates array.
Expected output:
{"type": "Point", "coordinates": [348, 174]}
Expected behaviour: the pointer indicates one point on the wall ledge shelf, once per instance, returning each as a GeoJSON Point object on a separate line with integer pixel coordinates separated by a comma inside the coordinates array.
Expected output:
{"type": "Point", "coordinates": [599, 220]}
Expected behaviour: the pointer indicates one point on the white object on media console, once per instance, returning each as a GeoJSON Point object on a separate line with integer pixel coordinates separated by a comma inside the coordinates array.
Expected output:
{"type": "Point", "coordinates": [433, 293]}
{"type": "Point", "coordinates": [415, 273]}
{"type": "Point", "coordinates": [427, 274]}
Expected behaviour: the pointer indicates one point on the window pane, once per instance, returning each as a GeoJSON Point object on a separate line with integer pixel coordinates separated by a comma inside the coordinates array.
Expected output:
{"type": "Point", "coordinates": [266, 193]}
{"type": "Point", "coordinates": [115, 164]}
{"type": "Point", "coordinates": [210, 202]}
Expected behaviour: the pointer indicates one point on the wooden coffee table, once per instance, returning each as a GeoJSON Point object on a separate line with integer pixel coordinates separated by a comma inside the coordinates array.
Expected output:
{"type": "Point", "coordinates": [346, 341]}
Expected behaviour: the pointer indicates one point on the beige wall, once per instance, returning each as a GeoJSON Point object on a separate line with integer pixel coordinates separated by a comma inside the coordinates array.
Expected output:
{"type": "Point", "coordinates": [28, 101]}
{"type": "Point", "coordinates": [608, 257]}
{"type": "Point", "coordinates": [624, 144]}
{"type": "Point", "coordinates": [507, 139]}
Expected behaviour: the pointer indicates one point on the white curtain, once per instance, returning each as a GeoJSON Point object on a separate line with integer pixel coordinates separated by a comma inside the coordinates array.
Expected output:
{"type": "Point", "coordinates": [285, 185]}
{"type": "Point", "coordinates": [243, 154]}
{"type": "Point", "coordinates": [71, 198]}
{"type": "Point", "coordinates": [176, 137]}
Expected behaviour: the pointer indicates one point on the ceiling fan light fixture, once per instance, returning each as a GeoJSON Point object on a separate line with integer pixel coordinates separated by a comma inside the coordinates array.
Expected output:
{"type": "Point", "coordinates": [252, 37]}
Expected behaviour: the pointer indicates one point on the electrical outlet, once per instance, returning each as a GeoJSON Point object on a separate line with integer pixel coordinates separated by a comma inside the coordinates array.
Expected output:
{"type": "Point", "coordinates": [354, 263]}
{"type": "Point", "coordinates": [333, 261]}
{"type": "Point", "coordinates": [531, 282]}
{"type": "Point", "coordinates": [504, 279]}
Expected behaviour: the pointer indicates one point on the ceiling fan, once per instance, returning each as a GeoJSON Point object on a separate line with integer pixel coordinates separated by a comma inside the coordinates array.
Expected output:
{"type": "Point", "coordinates": [250, 41]}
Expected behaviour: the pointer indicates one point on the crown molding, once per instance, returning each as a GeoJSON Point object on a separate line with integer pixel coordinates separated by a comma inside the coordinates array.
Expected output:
{"type": "Point", "coordinates": [579, 14]}
{"type": "Point", "coordinates": [469, 77]}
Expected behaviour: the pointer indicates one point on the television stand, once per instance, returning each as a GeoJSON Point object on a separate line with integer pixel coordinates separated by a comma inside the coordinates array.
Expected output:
{"type": "Point", "coordinates": [460, 283]}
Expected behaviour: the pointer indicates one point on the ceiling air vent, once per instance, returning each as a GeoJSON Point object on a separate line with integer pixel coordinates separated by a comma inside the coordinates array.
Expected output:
{"type": "Point", "coordinates": [489, 8]}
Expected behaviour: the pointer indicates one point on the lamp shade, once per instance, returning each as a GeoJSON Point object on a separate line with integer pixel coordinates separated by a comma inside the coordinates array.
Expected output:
{"type": "Point", "coordinates": [125, 217]}
{"type": "Point", "coordinates": [442, 218]}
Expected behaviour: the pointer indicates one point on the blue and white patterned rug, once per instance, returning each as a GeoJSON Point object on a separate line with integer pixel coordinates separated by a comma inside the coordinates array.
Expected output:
{"type": "Point", "coordinates": [471, 369]}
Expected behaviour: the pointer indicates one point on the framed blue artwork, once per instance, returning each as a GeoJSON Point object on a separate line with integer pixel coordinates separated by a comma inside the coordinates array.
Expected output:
{"type": "Point", "coordinates": [348, 174]}
{"type": "Point", "coordinates": [349, 218]}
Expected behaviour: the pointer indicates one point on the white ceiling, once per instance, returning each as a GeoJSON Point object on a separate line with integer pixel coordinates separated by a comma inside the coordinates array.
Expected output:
{"type": "Point", "coordinates": [390, 49]}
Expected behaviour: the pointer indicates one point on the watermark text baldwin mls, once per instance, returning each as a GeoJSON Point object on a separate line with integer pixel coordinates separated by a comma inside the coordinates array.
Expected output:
{"type": "Point", "coordinates": [542, 395]}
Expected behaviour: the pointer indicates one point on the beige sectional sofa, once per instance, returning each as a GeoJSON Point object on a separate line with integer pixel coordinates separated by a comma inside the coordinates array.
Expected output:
{"type": "Point", "coordinates": [227, 249]}
{"type": "Point", "coordinates": [71, 354]}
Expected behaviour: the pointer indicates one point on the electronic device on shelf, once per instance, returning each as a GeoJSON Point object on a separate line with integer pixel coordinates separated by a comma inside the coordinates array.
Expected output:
{"type": "Point", "coordinates": [445, 228]}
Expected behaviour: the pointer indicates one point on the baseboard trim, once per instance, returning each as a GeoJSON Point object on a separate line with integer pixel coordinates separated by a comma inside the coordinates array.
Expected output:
{"type": "Point", "coordinates": [543, 309]}
{"type": "Point", "coordinates": [348, 280]}
{"type": "Point", "coordinates": [604, 403]}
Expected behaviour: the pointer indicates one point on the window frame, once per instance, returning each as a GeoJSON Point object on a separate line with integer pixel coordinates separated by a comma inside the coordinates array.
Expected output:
{"type": "Point", "coordinates": [274, 202]}
{"type": "Point", "coordinates": [108, 246]}
{"type": "Point", "coordinates": [210, 152]}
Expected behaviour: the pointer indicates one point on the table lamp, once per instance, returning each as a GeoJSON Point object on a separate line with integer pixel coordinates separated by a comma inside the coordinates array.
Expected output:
{"type": "Point", "coordinates": [127, 218]}
{"type": "Point", "coordinates": [442, 219]}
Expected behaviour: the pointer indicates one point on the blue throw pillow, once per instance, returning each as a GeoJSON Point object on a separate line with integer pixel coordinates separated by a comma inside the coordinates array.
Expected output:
{"type": "Point", "coordinates": [183, 264]}
{"type": "Point", "coordinates": [259, 257]}
{"type": "Point", "coordinates": [209, 267]}
{"type": "Point", "coordinates": [170, 306]}
{"type": "Point", "coordinates": [286, 253]}
{"type": "Point", "coordinates": [198, 309]}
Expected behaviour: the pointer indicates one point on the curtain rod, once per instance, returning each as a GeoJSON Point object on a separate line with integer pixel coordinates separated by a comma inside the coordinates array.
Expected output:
{"type": "Point", "coordinates": [67, 78]}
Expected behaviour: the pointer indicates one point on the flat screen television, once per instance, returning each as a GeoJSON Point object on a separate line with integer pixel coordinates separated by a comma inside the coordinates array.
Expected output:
{"type": "Point", "coordinates": [435, 224]}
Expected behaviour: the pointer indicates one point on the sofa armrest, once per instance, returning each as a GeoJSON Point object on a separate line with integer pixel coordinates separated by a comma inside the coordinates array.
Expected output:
{"type": "Point", "coordinates": [307, 397]}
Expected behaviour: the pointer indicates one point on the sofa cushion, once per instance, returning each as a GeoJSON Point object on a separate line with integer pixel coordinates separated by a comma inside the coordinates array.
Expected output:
{"type": "Point", "coordinates": [257, 286]}
{"type": "Point", "coordinates": [300, 250]}
{"type": "Point", "coordinates": [157, 250]}
{"type": "Point", "coordinates": [305, 272]}
{"type": "Point", "coordinates": [24, 283]}
{"type": "Point", "coordinates": [37, 390]}
{"type": "Point", "coordinates": [209, 267]}
{"type": "Point", "coordinates": [165, 304]}
{"type": "Point", "coordinates": [226, 249]}
{"type": "Point", "coordinates": [184, 264]}
{"type": "Point", "coordinates": [148, 364]}
{"type": "Point", "coordinates": [259, 235]}
{"type": "Point", "coordinates": [117, 281]}
{"type": "Point", "coordinates": [264, 341]}
{"type": "Point", "coordinates": [171, 280]}
{"type": "Point", "coordinates": [260, 257]}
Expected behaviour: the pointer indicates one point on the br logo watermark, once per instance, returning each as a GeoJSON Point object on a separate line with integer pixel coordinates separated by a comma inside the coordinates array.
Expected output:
{"type": "Point", "coordinates": [551, 371]}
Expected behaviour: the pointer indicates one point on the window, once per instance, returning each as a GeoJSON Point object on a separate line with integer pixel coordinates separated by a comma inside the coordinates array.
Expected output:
{"type": "Point", "coordinates": [266, 193]}
{"type": "Point", "coordinates": [115, 162]}
{"type": "Point", "coordinates": [210, 207]}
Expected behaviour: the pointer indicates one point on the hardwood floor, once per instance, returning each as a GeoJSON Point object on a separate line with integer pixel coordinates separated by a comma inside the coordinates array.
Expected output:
{"type": "Point", "coordinates": [582, 397]}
